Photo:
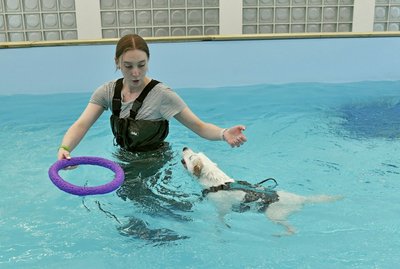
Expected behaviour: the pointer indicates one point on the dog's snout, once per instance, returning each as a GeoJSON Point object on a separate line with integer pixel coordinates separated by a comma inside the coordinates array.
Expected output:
{"type": "Point", "coordinates": [185, 148]}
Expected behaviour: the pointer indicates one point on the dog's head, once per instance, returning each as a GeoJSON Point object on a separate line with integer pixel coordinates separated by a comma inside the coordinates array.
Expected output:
{"type": "Point", "coordinates": [202, 168]}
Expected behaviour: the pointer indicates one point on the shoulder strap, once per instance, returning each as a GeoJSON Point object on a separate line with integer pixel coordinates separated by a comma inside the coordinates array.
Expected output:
{"type": "Point", "coordinates": [116, 101]}
{"type": "Point", "coordinates": [137, 104]}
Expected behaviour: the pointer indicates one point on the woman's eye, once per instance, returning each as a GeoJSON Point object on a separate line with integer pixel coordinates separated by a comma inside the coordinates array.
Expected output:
{"type": "Point", "coordinates": [131, 66]}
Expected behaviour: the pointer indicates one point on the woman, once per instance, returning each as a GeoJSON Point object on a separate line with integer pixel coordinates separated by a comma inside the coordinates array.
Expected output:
{"type": "Point", "coordinates": [144, 127]}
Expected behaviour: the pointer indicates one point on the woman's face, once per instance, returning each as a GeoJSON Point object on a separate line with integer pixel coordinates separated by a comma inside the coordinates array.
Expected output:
{"type": "Point", "coordinates": [134, 66]}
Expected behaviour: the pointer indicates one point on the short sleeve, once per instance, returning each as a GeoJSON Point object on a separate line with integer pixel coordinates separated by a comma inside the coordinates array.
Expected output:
{"type": "Point", "coordinates": [171, 104]}
{"type": "Point", "coordinates": [102, 96]}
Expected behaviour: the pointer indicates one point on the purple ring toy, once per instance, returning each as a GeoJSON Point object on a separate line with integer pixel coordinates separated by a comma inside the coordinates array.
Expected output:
{"type": "Point", "coordinates": [86, 190]}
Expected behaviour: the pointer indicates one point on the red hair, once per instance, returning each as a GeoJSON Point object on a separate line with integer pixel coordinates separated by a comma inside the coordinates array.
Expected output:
{"type": "Point", "coordinates": [131, 42]}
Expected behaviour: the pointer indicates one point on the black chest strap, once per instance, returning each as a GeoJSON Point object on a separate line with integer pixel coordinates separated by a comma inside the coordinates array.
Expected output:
{"type": "Point", "coordinates": [239, 185]}
{"type": "Point", "coordinates": [137, 104]}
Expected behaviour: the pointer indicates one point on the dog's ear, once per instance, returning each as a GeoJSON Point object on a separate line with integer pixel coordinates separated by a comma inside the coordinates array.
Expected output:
{"type": "Point", "coordinates": [197, 168]}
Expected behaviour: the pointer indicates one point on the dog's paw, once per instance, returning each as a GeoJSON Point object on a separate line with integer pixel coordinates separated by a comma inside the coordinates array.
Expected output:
{"type": "Point", "coordinates": [290, 231]}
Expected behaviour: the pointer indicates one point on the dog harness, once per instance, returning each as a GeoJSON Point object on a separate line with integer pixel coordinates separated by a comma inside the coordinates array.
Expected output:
{"type": "Point", "coordinates": [259, 195]}
{"type": "Point", "coordinates": [132, 134]}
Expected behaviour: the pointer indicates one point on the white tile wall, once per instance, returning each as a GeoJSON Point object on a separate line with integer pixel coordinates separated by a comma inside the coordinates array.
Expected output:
{"type": "Point", "coordinates": [387, 15]}
{"type": "Point", "coordinates": [297, 16]}
{"type": "Point", "coordinates": [159, 17]}
{"type": "Point", "coordinates": [36, 20]}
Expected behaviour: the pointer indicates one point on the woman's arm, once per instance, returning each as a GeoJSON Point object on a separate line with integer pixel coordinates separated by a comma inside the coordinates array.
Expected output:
{"type": "Point", "coordinates": [233, 136]}
{"type": "Point", "coordinates": [78, 130]}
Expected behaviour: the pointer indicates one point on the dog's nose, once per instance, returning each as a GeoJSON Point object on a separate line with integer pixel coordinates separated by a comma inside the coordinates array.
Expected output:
{"type": "Point", "coordinates": [185, 148]}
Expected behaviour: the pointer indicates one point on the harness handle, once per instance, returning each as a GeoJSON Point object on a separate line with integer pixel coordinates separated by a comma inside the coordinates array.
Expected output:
{"type": "Point", "coordinates": [266, 180]}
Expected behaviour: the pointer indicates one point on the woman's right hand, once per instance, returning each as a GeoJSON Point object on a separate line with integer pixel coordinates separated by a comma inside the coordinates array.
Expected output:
{"type": "Point", "coordinates": [64, 154]}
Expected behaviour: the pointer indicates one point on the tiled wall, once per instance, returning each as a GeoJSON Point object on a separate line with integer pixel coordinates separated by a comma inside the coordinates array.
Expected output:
{"type": "Point", "coordinates": [159, 17]}
{"type": "Point", "coordinates": [36, 20]}
{"type": "Point", "coordinates": [387, 15]}
{"type": "Point", "coordinates": [297, 16]}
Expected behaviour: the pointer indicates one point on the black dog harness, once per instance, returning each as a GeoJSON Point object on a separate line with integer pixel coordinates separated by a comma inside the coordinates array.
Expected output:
{"type": "Point", "coordinates": [132, 134]}
{"type": "Point", "coordinates": [260, 195]}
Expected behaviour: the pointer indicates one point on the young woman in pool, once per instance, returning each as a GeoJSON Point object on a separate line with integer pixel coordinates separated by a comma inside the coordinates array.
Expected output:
{"type": "Point", "coordinates": [141, 108]}
{"type": "Point", "coordinates": [140, 122]}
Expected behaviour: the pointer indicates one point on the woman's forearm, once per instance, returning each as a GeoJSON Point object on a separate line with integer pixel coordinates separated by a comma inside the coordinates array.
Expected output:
{"type": "Point", "coordinates": [74, 136]}
{"type": "Point", "coordinates": [209, 131]}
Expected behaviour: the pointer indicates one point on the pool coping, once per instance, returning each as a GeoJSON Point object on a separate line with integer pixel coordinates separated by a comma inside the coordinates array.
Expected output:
{"type": "Point", "coordinates": [169, 39]}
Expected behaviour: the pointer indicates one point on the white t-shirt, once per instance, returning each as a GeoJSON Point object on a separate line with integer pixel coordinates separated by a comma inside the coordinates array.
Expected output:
{"type": "Point", "coordinates": [160, 103]}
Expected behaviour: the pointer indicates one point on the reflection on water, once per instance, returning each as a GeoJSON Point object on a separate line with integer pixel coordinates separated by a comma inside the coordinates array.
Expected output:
{"type": "Point", "coordinates": [373, 120]}
{"type": "Point", "coordinates": [147, 184]}
{"type": "Point", "coordinates": [140, 229]}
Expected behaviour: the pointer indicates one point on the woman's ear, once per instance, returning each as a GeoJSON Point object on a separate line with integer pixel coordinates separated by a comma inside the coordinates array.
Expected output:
{"type": "Point", "coordinates": [116, 63]}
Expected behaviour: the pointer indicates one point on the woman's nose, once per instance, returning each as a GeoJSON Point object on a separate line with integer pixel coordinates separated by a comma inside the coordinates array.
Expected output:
{"type": "Point", "coordinates": [135, 71]}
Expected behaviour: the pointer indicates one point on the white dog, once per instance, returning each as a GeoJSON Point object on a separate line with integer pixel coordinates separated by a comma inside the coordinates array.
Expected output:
{"type": "Point", "coordinates": [230, 194]}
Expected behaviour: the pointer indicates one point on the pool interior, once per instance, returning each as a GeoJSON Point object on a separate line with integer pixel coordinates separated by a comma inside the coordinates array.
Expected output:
{"type": "Point", "coordinates": [312, 137]}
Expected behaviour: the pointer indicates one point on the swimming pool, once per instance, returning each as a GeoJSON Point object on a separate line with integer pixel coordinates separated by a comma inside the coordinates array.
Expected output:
{"type": "Point", "coordinates": [312, 138]}
{"type": "Point", "coordinates": [322, 116]}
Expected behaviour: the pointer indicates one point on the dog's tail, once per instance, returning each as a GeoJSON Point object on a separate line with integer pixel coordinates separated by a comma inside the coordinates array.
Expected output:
{"type": "Point", "coordinates": [322, 198]}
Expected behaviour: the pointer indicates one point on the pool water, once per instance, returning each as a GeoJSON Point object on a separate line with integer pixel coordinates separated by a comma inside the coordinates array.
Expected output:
{"type": "Point", "coordinates": [313, 138]}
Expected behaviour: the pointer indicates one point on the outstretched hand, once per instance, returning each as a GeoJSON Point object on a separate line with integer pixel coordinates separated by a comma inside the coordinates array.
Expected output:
{"type": "Point", "coordinates": [234, 136]}
{"type": "Point", "coordinates": [64, 154]}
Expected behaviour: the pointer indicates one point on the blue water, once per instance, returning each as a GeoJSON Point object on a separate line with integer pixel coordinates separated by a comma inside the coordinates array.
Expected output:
{"type": "Point", "coordinates": [338, 139]}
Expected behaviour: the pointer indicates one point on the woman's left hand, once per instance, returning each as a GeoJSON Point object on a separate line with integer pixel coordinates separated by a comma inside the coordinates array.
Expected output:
{"type": "Point", "coordinates": [234, 136]}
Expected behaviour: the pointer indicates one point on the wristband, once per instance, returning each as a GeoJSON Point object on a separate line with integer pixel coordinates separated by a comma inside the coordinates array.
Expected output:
{"type": "Point", "coordinates": [222, 134]}
{"type": "Point", "coordinates": [65, 147]}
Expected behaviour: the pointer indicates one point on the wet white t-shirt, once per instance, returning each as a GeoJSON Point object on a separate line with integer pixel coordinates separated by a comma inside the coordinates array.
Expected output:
{"type": "Point", "coordinates": [160, 103]}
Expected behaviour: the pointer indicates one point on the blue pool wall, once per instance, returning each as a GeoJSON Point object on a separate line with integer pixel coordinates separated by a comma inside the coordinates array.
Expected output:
{"type": "Point", "coordinates": [204, 64]}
